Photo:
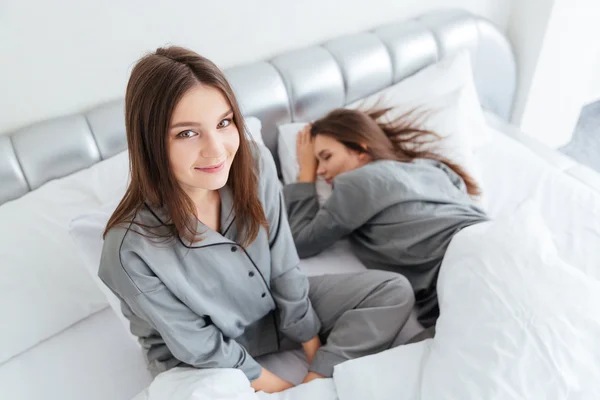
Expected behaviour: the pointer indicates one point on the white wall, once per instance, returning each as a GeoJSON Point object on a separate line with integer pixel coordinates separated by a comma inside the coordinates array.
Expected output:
{"type": "Point", "coordinates": [526, 30]}
{"type": "Point", "coordinates": [557, 53]}
{"type": "Point", "coordinates": [593, 91]}
{"type": "Point", "coordinates": [63, 56]}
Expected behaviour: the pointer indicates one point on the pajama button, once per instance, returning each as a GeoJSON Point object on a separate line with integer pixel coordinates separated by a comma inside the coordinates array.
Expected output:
{"type": "Point", "coordinates": [263, 295]}
{"type": "Point", "coordinates": [250, 274]}
{"type": "Point", "coordinates": [233, 249]}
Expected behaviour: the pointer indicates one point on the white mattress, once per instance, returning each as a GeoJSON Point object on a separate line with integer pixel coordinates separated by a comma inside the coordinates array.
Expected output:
{"type": "Point", "coordinates": [95, 359]}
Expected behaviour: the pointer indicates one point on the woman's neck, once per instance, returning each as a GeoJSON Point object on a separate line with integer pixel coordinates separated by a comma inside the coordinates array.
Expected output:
{"type": "Point", "coordinates": [208, 207]}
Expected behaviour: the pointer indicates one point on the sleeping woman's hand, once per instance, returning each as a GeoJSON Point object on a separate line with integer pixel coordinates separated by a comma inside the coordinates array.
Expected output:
{"type": "Point", "coordinates": [305, 154]}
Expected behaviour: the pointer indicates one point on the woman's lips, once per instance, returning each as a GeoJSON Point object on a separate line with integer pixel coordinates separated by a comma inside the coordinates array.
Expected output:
{"type": "Point", "coordinates": [212, 168]}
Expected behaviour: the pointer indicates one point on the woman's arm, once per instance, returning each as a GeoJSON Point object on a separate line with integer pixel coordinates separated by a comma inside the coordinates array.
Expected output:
{"type": "Point", "coordinates": [305, 154]}
{"type": "Point", "coordinates": [191, 338]}
{"type": "Point", "coordinates": [316, 229]}
{"type": "Point", "coordinates": [194, 341]}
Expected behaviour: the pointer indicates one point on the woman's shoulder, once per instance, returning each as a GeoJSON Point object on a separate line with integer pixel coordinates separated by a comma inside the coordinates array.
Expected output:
{"type": "Point", "coordinates": [125, 253]}
{"type": "Point", "coordinates": [268, 180]}
{"type": "Point", "coordinates": [374, 175]}
{"type": "Point", "coordinates": [134, 236]}
{"type": "Point", "coordinates": [264, 161]}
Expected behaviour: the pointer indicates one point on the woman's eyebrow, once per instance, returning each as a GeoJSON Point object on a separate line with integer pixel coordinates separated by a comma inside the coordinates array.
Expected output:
{"type": "Point", "coordinates": [226, 113]}
{"type": "Point", "coordinates": [322, 153]}
{"type": "Point", "coordinates": [185, 123]}
{"type": "Point", "coordinates": [190, 123]}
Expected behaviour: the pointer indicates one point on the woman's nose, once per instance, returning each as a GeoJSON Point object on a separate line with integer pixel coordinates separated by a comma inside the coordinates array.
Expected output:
{"type": "Point", "coordinates": [320, 170]}
{"type": "Point", "coordinates": [212, 146]}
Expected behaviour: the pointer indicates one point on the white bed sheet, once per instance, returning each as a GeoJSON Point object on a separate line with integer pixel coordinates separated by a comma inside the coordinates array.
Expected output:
{"type": "Point", "coordinates": [94, 359]}
{"type": "Point", "coordinates": [512, 173]}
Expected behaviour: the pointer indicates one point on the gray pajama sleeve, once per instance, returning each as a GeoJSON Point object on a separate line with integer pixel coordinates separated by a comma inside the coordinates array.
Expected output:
{"type": "Point", "coordinates": [315, 229]}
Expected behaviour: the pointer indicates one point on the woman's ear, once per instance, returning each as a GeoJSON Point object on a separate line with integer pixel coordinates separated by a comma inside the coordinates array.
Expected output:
{"type": "Point", "coordinates": [364, 157]}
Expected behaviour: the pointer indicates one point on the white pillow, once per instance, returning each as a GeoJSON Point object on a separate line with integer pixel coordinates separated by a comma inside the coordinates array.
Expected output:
{"type": "Point", "coordinates": [516, 322]}
{"type": "Point", "coordinates": [86, 232]}
{"type": "Point", "coordinates": [451, 78]}
{"type": "Point", "coordinates": [446, 89]}
{"type": "Point", "coordinates": [44, 290]}
{"type": "Point", "coordinates": [286, 149]}
{"type": "Point", "coordinates": [254, 129]}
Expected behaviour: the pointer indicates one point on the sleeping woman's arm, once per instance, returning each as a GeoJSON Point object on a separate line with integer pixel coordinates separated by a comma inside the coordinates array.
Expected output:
{"type": "Point", "coordinates": [314, 229]}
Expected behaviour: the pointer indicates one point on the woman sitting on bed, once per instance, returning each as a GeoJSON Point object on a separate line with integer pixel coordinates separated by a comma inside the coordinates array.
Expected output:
{"type": "Point", "coordinates": [199, 250]}
{"type": "Point", "coordinates": [400, 204]}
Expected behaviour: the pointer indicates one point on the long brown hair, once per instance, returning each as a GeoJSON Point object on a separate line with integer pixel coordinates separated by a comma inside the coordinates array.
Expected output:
{"type": "Point", "coordinates": [157, 83]}
{"type": "Point", "coordinates": [399, 138]}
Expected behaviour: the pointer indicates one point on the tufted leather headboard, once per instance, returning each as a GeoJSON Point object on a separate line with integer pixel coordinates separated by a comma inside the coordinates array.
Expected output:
{"type": "Point", "coordinates": [296, 86]}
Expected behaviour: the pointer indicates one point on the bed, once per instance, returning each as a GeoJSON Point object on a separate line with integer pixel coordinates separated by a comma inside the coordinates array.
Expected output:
{"type": "Point", "coordinates": [61, 340]}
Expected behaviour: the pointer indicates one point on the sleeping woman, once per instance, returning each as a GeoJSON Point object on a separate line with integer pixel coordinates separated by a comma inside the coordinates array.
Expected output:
{"type": "Point", "coordinates": [399, 204]}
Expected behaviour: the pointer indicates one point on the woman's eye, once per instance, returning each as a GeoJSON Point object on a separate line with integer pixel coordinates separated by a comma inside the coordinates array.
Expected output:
{"type": "Point", "coordinates": [225, 123]}
{"type": "Point", "coordinates": [186, 134]}
{"type": "Point", "coordinates": [327, 157]}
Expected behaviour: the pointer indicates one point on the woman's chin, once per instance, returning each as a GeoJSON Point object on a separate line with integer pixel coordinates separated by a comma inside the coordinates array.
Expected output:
{"type": "Point", "coordinates": [213, 181]}
{"type": "Point", "coordinates": [216, 182]}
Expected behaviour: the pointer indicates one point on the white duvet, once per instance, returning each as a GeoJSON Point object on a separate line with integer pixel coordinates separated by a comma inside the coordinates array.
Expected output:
{"type": "Point", "coordinates": [517, 322]}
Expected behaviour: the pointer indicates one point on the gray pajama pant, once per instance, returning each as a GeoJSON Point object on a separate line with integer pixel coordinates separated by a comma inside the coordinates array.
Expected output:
{"type": "Point", "coordinates": [361, 314]}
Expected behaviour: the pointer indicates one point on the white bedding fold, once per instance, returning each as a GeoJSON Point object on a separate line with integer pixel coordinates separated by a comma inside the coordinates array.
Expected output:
{"type": "Point", "coordinates": [517, 322]}
{"type": "Point", "coordinates": [226, 384]}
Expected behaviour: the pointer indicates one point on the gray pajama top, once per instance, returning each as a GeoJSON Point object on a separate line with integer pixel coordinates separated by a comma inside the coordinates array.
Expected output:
{"type": "Point", "coordinates": [212, 304]}
{"type": "Point", "coordinates": [398, 216]}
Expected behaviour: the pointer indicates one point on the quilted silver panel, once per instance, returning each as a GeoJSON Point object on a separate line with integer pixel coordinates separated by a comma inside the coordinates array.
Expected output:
{"type": "Point", "coordinates": [495, 71]}
{"type": "Point", "coordinates": [54, 149]}
{"type": "Point", "coordinates": [107, 123]}
{"type": "Point", "coordinates": [411, 45]}
{"type": "Point", "coordinates": [365, 64]}
{"type": "Point", "coordinates": [454, 30]}
{"type": "Point", "coordinates": [262, 94]}
{"type": "Point", "coordinates": [12, 181]}
{"type": "Point", "coordinates": [313, 81]}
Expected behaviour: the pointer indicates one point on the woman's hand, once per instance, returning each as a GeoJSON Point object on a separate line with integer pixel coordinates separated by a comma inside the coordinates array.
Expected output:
{"type": "Point", "coordinates": [311, 376]}
{"type": "Point", "coordinates": [310, 348]}
{"type": "Point", "coordinates": [305, 153]}
{"type": "Point", "coordinates": [268, 382]}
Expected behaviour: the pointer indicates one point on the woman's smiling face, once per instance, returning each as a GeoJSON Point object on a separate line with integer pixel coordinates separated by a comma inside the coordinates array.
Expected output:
{"type": "Point", "coordinates": [202, 139]}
